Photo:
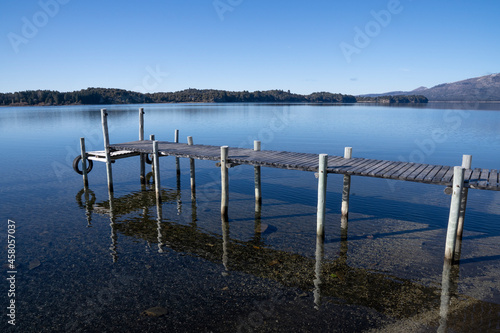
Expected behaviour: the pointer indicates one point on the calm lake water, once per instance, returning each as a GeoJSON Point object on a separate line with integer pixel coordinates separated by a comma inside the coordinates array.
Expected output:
{"type": "Point", "coordinates": [83, 267]}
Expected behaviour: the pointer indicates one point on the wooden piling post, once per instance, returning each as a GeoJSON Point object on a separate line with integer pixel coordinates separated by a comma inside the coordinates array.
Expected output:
{"type": "Point", "coordinates": [192, 171]}
{"type": "Point", "coordinates": [156, 163]}
{"type": "Point", "coordinates": [322, 177]}
{"type": "Point", "coordinates": [466, 164]}
{"type": "Point", "coordinates": [176, 136]}
{"type": "Point", "coordinates": [224, 181]}
{"type": "Point", "coordinates": [84, 163]}
{"type": "Point", "coordinates": [346, 192]}
{"type": "Point", "coordinates": [109, 173]}
{"type": "Point", "coordinates": [257, 177]}
{"type": "Point", "coordinates": [458, 183]}
{"type": "Point", "coordinates": [141, 138]}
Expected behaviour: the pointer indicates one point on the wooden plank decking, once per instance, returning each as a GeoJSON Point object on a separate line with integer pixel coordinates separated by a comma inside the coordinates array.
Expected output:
{"type": "Point", "coordinates": [483, 179]}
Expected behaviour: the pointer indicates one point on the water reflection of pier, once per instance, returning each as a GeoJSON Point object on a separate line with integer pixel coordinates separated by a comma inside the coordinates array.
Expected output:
{"type": "Point", "coordinates": [133, 215]}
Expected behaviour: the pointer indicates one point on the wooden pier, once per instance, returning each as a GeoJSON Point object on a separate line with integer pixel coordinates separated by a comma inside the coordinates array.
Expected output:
{"type": "Point", "coordinates": [458, 180]}
{"type": "Point", "coordinates": [482, 179]}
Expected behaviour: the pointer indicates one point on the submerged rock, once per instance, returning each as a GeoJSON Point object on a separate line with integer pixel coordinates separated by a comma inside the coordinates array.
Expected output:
{"type": "Point", "coordinates": [155, 312]}
{"type": "Point", "coordinates": [34, 264]}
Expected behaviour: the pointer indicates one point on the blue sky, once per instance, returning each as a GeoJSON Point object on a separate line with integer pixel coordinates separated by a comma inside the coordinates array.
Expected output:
{"type": "Point", "coordinates": [351, 47]}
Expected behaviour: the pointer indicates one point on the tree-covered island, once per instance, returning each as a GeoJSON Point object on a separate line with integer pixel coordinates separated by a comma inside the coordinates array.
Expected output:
{"type": "Point", "coordinates": [93, 96]}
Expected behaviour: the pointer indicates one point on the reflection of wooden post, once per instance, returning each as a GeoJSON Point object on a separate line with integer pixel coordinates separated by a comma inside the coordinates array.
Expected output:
{"type": "Point", "coordinates": [109, 173]}
{"type": "Point", "coordinates": [159, 215]}
{"type": "Point", "coordinates": [258, 192]}
{"type": "Point", "coordinates": [177, 163]}
{"type": "Point", "coordinates": [156, 163]}
{"type": "Point", "coordinates": [345, 192]}
{"type": "Point", "coordinates": [224, 181]}
{"type": "Point", "coordinates": [225, 245]}
{"type": "Point", "coordinates": [112, 224]}
{"type": "Point", "coordinates": [192, 171]}
{"type": "Point", "coordinates": [141, 138]}
{"type": "Point", "coordinates": [152, 138]}
{"type": "Point", "coordinates": [445, 297]}
{"type": "Point", "coordinates": [84, 163]}
{"type": "Point", "coordinates": [458, 183]}
{"type": "Point", "coordinates": [320, 250]}
{"type": "Point", "coordinates": [323, 163]}
{"type": "Point", "coordinates": [466, 164]}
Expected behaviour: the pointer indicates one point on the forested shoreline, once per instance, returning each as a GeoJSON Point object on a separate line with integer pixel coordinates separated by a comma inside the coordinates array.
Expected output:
{"type": "Point", "coordinates": [94, 96]}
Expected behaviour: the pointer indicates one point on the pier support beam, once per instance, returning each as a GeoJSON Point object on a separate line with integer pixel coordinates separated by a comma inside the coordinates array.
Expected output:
{"type": "Point", "coordinates": [141, 138]}
{"type": "Point", "coordinates": [322, 175]}
{"type": "Point", "coordinates": [156, 163]}
{"type": "Point", "coordinates": [257, 177]}
{"type": "Point", "coordinates": [105, 134]}
{"type": "Point", "coordinates": [84, 163]}
{"type": "Point", "coordinates": [224, 181]}
{"type": "Point", "coordinates": [458, 183]}
{"type": "Point", "coordinates": [466, 164]}
{"type": "Point", "coordinates": [192, 171]}
{"type": "Point", "coordinates": [345, 193]}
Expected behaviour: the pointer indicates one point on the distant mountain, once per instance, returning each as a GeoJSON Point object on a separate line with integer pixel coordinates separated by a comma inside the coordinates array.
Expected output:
{"type": "Point", "coordinates": [483, 88]}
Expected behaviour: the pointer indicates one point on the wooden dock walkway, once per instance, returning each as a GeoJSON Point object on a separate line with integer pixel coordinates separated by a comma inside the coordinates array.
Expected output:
{"type": "Point", "coordinates": [483, 179]}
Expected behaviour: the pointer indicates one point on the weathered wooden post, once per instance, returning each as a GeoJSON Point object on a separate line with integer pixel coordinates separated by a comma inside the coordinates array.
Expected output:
{"type": "Point", "coordinates": [109, 173]}
{"type": "Point", "coordinates": [141, 138]}
{"type": "Point", "coordinates": [156, 163]}
{"type": "Point", "coordinates": [458, 183]}
{"type": "Point", "coordinates": [176, 136]}
{"type": "Point", "coordinates": [345, 194]}
{"type": "Point", "coordinates": [258, 192]}
{"type": "Point", "coordinates": [192, 171]}
{"type": "Point", "coordinates": [322, 175]}
{"type": "Point", "coordinates": [466, 164]}
{"type": "Point", "coordinates": [224, 181]}
{"type": "Point", "coordinates": [84, 163]}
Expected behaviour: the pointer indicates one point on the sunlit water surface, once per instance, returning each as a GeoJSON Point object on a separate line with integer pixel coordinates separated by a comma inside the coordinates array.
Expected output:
{"type": "Point", "coordinates": [85, 267]}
